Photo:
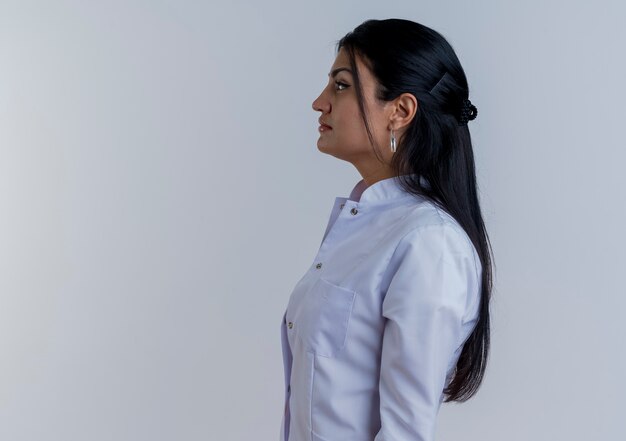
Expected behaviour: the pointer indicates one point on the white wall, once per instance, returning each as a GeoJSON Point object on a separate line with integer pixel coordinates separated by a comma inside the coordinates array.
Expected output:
{"type": "Point", "coordinates": [161, 192]}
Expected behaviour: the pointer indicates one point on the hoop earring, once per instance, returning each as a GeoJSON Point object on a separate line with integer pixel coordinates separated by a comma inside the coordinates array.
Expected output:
{"type": "Point", "coordinates": [393, 141]}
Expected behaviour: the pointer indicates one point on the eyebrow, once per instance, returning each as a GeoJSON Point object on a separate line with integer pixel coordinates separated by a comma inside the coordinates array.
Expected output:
{"type": "Point", "coordinates": [339, 69]}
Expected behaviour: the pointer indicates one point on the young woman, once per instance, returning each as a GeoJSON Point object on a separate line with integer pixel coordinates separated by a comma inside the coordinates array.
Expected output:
{"type": "Point", "coordinates": [392, 317]}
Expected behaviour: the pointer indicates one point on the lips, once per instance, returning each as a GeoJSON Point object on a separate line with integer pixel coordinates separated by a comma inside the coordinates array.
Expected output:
{"type": "Point", "coordinates": [322, 123]}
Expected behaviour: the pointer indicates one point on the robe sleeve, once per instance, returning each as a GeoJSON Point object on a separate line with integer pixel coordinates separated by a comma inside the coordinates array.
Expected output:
{"type": "Point", "coordinates": [431, 297]}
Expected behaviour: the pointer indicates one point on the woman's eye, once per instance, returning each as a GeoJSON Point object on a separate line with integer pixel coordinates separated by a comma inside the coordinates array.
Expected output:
{"type": "Point", "coordinates": [339, 83]}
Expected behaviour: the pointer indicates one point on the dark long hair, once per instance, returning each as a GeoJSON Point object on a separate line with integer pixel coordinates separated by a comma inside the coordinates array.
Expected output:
{"type": "Point", "coordinates": [405, 56]}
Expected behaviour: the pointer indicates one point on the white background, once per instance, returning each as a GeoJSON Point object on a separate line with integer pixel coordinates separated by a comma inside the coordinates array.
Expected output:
{"type": "Point", "coordinates": [161, 192]}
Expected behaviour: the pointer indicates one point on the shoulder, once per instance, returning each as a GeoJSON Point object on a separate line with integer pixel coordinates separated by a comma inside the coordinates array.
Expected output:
{"type": "Point", "coordinates": [426, 217]}
{"type": "Point", "coordinates": [428, 229]}
{"type": "Point", "coordinates": [435, 257]}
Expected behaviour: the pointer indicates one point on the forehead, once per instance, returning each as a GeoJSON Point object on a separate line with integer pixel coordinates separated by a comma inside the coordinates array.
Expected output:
{"type": "Point", "coordinates": [342, 60]}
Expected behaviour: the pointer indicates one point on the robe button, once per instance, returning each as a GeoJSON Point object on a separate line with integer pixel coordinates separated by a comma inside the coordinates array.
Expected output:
{"type": "Point", "coordinates": [319, 265]}
{"type": "Point", "coordinates": [354, 211]}
{"type": "Point", "coordinates": [290, 324]}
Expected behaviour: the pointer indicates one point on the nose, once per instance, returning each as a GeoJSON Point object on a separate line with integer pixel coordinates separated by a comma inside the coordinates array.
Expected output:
{"type": "Point", "coordinates": [321, 104]}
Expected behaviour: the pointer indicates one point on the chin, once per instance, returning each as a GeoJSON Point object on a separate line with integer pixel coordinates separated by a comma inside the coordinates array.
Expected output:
{"type": "Point", "coordinates": [321, 146]}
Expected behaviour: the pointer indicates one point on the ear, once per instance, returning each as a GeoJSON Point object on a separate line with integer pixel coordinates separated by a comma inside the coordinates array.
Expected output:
{"type": "Point", "coordinates": [403, 111]}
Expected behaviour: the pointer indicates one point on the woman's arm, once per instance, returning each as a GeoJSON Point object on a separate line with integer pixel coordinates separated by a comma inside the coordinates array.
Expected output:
{"type": "Point", "coordinates": [426, 305]}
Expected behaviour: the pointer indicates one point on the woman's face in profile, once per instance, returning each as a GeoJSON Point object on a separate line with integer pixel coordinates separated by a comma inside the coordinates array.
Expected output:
{"type": "Point", "coordinates": [347, 138]}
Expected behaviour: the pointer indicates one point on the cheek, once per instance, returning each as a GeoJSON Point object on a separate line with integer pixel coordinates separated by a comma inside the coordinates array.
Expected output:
{"type": "Point", "coordinates": [354, 126]}
{"type": "Point", "coordinates": [352, 136]}
{"type": "Point", "coordinates": [348, 119]}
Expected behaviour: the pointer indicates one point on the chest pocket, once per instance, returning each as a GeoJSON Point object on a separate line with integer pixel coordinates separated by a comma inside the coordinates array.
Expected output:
{"type": "Point", "coordinates": [322, 321]}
